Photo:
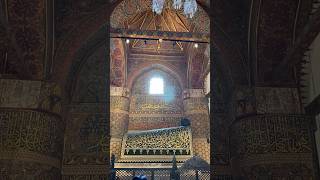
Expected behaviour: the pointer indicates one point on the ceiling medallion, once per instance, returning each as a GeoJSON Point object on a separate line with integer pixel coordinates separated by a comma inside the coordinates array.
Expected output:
{"type": "Point", "coordinates": [189, 6]}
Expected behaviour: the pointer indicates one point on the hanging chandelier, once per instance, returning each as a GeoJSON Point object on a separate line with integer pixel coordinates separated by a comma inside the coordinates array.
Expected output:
{"type": "Point", "coordinates": [189, 6]}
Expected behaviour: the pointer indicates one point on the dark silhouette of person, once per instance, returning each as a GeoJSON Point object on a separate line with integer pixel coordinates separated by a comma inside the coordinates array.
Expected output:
{"type": "Point", "coordinates": [140, 177]}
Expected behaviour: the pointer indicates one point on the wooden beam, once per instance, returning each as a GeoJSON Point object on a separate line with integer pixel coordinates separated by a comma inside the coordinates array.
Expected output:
{"type": "Point", "coordinates": [155, 35]}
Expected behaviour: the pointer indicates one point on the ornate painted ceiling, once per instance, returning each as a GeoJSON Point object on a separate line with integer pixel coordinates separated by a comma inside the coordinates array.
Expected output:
{"type": "Point", "coordinates": [77, 21]}
{"type": "Point", "coordinates": [134, 10]}
{"type": "Point", "coordinates": [167, 21]}
{"type": "Point", "coordinates": [253, 37]}
{"type": "Point", "coordinates": [145, 53]}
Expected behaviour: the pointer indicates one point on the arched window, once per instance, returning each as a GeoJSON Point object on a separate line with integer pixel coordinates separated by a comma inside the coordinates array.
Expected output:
{"type": "Point", "coordinates": [156, 85]}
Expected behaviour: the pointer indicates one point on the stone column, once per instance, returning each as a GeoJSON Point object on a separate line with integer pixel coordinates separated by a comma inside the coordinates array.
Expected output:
{"type": "Point", "coordinates": [119, 117]}
{"type": "Point", "coordinates": [31, 130]}
{"type": "Point", "coordinates": [196, 110]}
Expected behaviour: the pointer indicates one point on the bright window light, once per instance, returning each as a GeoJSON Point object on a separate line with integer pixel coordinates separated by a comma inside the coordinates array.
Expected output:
{"type": "Point", "coordinates": [156, 86]}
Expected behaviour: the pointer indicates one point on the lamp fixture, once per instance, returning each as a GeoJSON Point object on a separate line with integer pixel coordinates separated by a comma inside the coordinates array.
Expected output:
{"type": "Point", "coordinates": [189, 6]}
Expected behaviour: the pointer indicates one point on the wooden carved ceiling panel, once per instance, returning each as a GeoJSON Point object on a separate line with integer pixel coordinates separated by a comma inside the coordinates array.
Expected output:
{"type": "Point", "coordinates": [167, 21]}
{"type": "Point", "coordinates": [129, 9]}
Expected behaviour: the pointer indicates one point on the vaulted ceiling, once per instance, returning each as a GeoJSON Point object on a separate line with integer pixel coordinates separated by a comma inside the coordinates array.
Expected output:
{"type": "Point", "coordinates": [172, 54]}
{"type": "Point", "coordinates": [257, 39]}
{"type": "Point", "coordinates": [130, 11]}
{"type": "Point", "coordinates": [167, 21]}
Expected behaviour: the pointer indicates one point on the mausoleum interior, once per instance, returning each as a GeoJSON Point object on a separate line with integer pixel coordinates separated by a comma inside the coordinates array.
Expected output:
{"type": "Point", "coordinates": [168, 89]}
